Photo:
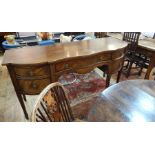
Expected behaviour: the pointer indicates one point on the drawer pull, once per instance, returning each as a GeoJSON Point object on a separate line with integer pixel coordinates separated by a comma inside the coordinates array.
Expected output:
{"type": "Point", "coordinates": [101, 58]}
{"type": "Point", "coordinates": [34, 85]}
{"type": "Point", "coordinates": [66, 65]}
{"type": "Point", "coordinates": [31, 73]}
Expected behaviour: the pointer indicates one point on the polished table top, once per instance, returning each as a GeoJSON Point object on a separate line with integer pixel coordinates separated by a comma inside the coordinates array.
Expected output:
{"type": "Point", "coordinates": [127, 101]}
{"type": "Point", "coordinates": [147, 43]}
{"type": "Point", "coordinates": [41, 54]}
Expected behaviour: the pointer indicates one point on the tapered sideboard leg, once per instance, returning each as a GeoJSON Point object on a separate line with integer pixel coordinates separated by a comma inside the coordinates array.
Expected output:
{"type": "Point", "coordinates": [24, 97]}
{"type": "Point", "coordinates": [108, 80]}
{"type": "Point", "coordinates": [14, 81]}
{"type": "Point", "coordinates": [119, 75]}
{"type": "Point", "coordinates": [22, 105]}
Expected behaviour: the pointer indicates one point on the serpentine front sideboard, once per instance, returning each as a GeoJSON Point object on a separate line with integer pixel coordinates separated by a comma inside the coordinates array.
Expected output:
{"type": "Point", "coordinates": [32, 68]}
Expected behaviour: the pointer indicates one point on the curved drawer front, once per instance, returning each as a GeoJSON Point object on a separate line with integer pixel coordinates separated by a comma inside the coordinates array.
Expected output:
{"type": "Point", "coordinates": [82, 62]}
{"type": "Point", "coordinates": [32, 71]}
{"type": "Point", "coordinates": [118, 53]}
{"type": "Point", "coordinates": [72, 64]}
{"type": "Point", "coordinates": [116, 65]}
{"type": "Point", "coordinates": [102, 57]}
{"type": "Point", "coordinates": [33, 87]}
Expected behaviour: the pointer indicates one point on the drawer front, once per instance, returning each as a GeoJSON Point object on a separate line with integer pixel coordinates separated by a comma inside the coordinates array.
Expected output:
{"type": "Point", "coordinates": [116, 65]}
{"type": "Point", "coordinates": [32, 87]}
{"type": "Point", "coordinates": [103, 57]}
{"type": "Point", "coordinates": [117, 54]}
{"type": "Point", "coordinates": [73, 64]}
{"type": "Point", "coordinates": [81, 63]}
{"type": "Point", "coordinates": [32, 71]}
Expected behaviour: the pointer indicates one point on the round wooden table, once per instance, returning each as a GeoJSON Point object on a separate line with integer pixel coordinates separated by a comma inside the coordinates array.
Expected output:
{"type": "Point", "coordinates": [127, 101]}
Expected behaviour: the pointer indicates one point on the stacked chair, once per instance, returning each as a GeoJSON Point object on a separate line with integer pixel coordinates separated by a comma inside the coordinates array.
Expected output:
{"type": "Point", "coordinates": [133, 56]}
{"type": "Point", "coordinates": [100, 34]}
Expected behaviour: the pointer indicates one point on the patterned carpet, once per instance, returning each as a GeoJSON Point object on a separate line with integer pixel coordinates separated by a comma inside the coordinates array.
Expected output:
{"type": "Point", "coordinates": [82, 87]}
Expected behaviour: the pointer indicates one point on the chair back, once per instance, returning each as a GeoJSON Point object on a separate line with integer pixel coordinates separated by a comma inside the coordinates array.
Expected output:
{"type": "Point", "coordinates": [132, 38]}
{"type": "Point", "coordinates": [100, 34]}
{"type": "Point", "coordinates": [52, 105]}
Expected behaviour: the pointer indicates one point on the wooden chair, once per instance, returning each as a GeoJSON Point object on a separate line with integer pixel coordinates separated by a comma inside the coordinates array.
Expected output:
{"type": "Point", "coordinates": [100, 34]}
{"type": "Point", "coordinates": [52, 105]}
{"type": "Point", "coordinates": [132, 55]}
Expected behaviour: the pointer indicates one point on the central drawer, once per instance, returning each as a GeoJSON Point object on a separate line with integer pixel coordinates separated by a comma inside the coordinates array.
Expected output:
{"type": "Point", "coordinates": [26, 71]}
{"type": "Point", "coordinates": [82, 62]}
{"type": "Point", "coordinates": [33, 87]}
{"type": "Point", "coordinates": [118, 53]}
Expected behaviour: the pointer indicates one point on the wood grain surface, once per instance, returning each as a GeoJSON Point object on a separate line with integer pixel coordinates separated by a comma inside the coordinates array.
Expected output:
{"type": "Point", "coordinates": [131, 100]}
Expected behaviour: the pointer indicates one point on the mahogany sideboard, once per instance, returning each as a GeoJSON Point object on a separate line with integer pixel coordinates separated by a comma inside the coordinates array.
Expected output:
{"type": "Point", "coordinates": [32, 68]}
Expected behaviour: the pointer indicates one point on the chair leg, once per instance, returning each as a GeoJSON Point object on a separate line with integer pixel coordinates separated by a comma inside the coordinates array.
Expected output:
{"type": "Point", "coordinates": [23, 106]}
{"type": "Point", "coordinates": [108, 80]}
{"type": "Point", "coordinates": [104, 74]}
{"type": "Point", "coordinates": [139, 73]}
{"type": "Point", "coordinates": [125, 65]}
{"type": "Point", "coordinates": [129, 69]}
{"type": "Point", "coordinates": [119, 75]}
{"type": "Point", "coordinates": [128, 64]}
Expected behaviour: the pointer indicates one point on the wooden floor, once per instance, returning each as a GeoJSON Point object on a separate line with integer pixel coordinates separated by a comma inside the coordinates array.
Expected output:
{"type": "Point", "coordinates": [10, 109]}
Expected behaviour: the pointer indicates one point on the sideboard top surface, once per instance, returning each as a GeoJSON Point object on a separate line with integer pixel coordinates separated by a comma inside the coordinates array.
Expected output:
{"type": "Point", "coordinates": [49, 54]}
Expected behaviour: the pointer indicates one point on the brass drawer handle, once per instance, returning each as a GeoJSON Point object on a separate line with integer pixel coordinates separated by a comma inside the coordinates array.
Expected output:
{"type": "Point", "coordinates": [101, 58]}
{"type": "Point", "coordinates": [66, 65]}
{"type": "Point", "coordinates": [31, 73]}
{"type": "Point", "coordinates": [34, 85]}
